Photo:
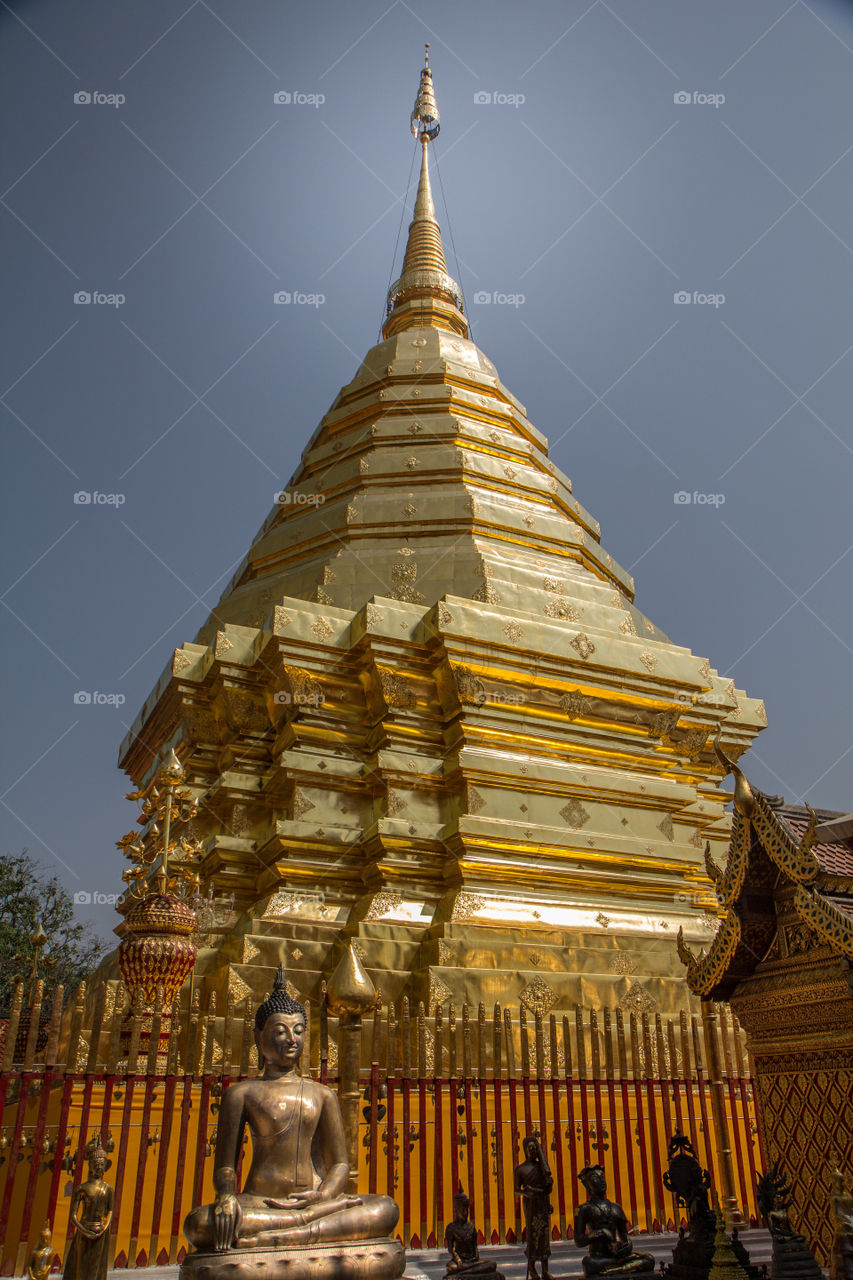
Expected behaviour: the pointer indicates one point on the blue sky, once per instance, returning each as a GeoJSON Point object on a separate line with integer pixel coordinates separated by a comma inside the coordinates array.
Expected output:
{"type": "Point", "coordinates": [598, 160]}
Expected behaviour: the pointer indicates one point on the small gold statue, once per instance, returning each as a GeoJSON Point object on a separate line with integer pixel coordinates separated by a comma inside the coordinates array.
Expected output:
{"type": "Point", "coordinates": [41, 1257]}
{"type": "Point", "coordinates": [601, 1224]}
{"type": "Point", "coordinates": [534, 1183]}
{"type": "Point", "coordinates": [841, 1202]}
{"type": "Point", "coordinates": [293, 1210]}
{"type": "Point", "coordinates": [91, 1213]}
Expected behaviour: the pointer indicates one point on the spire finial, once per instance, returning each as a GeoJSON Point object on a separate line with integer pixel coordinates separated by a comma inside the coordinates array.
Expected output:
{"type": "Point", "coordinates": [425, 293]}
{"type": "Point", "coordinates": [425, 119]}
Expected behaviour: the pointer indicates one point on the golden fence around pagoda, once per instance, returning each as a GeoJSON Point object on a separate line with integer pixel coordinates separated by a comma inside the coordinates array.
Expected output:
{"type": "Point", "coordinates": [446, 1100]}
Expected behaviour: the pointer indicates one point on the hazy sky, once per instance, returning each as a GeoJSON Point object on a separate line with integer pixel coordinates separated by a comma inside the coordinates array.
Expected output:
{"type": "Point", "coordinates": [182, 196]}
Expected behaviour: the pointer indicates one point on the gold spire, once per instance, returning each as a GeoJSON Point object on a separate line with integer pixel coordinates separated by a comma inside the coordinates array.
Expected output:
{"type": "Point", "coordinates": [425, 293]}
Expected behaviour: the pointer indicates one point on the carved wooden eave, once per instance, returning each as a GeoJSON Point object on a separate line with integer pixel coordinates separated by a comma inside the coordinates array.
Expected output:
{"type": "Point", "coordinates": [761, 841]}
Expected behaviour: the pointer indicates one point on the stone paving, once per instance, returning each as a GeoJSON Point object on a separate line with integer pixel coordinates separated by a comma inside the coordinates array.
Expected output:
{"type": "Point", "coordinates": [429, 1264]}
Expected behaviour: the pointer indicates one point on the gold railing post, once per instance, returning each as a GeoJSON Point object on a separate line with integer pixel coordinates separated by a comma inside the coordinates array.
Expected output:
{"type": "Point", "coordinates": [350, 995]}
{"type": "Point", "coordinates": [728, 1198]}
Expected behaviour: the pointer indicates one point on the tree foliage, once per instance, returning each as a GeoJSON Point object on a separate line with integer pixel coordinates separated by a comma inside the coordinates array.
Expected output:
{"type": "Point", "coordinates": [27, 895]}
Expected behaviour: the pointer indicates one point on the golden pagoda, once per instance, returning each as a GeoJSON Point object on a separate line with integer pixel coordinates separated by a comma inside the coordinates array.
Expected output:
{"type": "Point", "coordinates": [427, 717]}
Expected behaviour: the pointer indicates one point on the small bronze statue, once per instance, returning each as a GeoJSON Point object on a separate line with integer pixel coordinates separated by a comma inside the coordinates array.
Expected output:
{"type": "Point", "coordinates": [792, 1257]}
{"type": "Point", "coordinates": [602, 1226]}
{"type": "Point", "coordinates": [693, 1258]}
{"type": "Point", "coordinates": [91, 1213]}
{"type": "Point", "coordinates": [534, 1183]}
{"type": "Point", "coordinates": [841, 1203]}
{"type": "Point", "coordinates": [295, 1192]}
{"type": "Point", "coordinates": [41, 1258]}
{"type": "Point", "coordinates": [460, 1240]}
{"type": "Point", "coordinates": [691, 1186]}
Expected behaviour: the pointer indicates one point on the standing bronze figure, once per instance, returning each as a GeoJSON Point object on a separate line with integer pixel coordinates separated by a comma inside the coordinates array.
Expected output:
{"type": "Point", "coordinates": [91, 1214]}
{"type": "Point", "coordinates": [534, 1183]}
{"type": "Point", "coordinates": [601, 1224]}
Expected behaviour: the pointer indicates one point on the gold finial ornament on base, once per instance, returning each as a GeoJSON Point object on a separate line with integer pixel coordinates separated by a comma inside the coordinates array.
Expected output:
{"type": "Point", "coordinates": [91, 1214]}
{"type": "Point", "coordinates": [294, 1219]}
{"type": "Point", "coordinates": [41, 1258]}
{"type": "Point", "coordinates": [350, 995]}
{"type": "Point", "coordinates": [156, 953]}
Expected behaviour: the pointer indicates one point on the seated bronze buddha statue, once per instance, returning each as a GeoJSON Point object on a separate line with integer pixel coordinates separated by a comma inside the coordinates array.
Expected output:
{"type": "Point", "coordinates": [294, 1196]}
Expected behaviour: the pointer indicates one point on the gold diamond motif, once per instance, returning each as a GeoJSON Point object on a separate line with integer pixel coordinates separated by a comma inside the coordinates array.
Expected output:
{"type": "Point", "coordinates": [575, 704]}
{"type": "Point", "coordinates": [439, 992]}
{"type": "Point", "coordinates": [626, 626]}
{"type": "Point", "coordinates": [465, 905]}
{"type": "Point", "coordinates": [648, 660]}
{"type": "Point", "coordinates": [513, 632]}
{"type": "Point", "coordinates": [383, 903]}
{"type": "Point", "coordinates": [237, 988]}
{"type": "Point", "coordinates": [603, 920]}
{"type": "Point", "coordinates": [250, 951]}
{"type": "Point", "coordinates": [321, 629]}
{"type": "Point", "coordinates": [583, 644]}
{"type": "Point", "coordinates": [180, 662]}
{"type": "Point", "coordinates": [622, 964]}
{"type": "Point", "coordinates": [537, 996]}
{"type": "Point", "coordinates": [637, 1000]}
{"type": "Point", "coordinates": [445, 617]}
{"type": "Point", "coordinates": [394, 804]}
{"type": "Point", "coordinates": [666, 828]}
{"type": "Point", "coordinates": [475, 800]}
{"type": "Point", "coordinates": [562, 609]}
{"type": "Point", "coordinates": [223, 644]}
{"type": "Point", "coordinates": [301, 804]}
{"type": "Point", "coordinates": [574, 814]}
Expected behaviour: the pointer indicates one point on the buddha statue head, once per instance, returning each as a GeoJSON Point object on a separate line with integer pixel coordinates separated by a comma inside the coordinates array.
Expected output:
{"type": "Point", "coordinates": [461, 1206]}
{"type": "Point", "coordinates": [594, 1180]}
{"type": "Point", "coordinates": [280, 1026]}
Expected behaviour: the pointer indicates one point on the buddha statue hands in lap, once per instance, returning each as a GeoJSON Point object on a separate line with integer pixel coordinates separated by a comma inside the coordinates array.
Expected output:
{"type": "Point", "coordinates": [295, 1191]}
{"type": "Point", "coordinates": [601, 1224]}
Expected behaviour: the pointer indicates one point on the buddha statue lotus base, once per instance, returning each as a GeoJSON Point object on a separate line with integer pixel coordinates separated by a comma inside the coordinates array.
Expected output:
{"type": "Point", "coordinates": [379, 1259]}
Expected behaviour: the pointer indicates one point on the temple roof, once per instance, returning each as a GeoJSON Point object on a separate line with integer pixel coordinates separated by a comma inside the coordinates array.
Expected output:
{"type": "Point", "coordinates": [774, 854]}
